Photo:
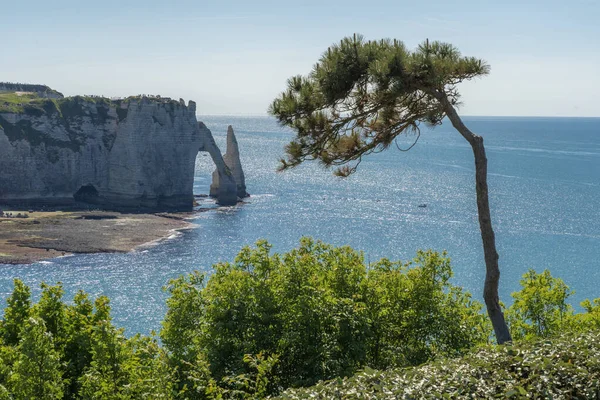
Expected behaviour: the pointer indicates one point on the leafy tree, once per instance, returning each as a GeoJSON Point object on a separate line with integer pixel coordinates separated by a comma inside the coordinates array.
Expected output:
{"type": "Point", "coordinates": [253, 385]}
{"type": "Point", "coordinates": [8, 357]}
{"type": "Point", "coordinates": [318, 312]}
{"type": "Point", "coordinates": [37, 373]}
{"type": "Point", "coordinates": [540, 308]}
{"type": "Point", "coordinates": [417, 315]}
{"type": "Point", "coordinates": [78, 325]}
{"type": "Point", "coordinates": [590, 320]}
{"type": "Point", "coordinates": [362, 94]}
{"type": "Point", "coordinates": [150, 376]}
{"type": "Point", "coordinates": [4, 394]}
{"type": "Point", "coordinates": [182, 327]}
{"type": "Point", "coordinates": [51, 309]}
{"type": "Point", "coordinates": [107, 375]}
{"type": "Point", "coordinates": [16, 313]}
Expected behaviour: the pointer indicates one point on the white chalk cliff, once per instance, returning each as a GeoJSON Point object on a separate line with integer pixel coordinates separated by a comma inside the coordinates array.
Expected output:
{"type": "Point", "coordinates": [136, 152]}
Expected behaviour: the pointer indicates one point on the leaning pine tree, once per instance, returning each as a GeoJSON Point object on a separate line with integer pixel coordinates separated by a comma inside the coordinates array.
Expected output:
{"type": "Point", "coordinates": [362, 94]}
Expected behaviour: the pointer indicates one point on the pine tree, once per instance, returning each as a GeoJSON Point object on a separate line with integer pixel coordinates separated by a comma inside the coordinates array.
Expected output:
{"type": "Point", "coordinates": [362, 95]}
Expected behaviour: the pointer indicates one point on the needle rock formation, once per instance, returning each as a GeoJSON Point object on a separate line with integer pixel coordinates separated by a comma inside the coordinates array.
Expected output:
{"type": "Point", "coordinates": [233, 163]}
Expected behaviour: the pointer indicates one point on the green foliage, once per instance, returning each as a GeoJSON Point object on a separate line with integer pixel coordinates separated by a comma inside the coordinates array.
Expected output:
{"type": "Point", "coordinates": [16, 313]}
{"type": "Point", "coordinates": [107, 375]}
{"type": "Point", "coordinates": [8, 357]}
{"type": "Point", "coordinates": [179, 334]}
{"type": "Point", "coordinates": [37, 372]}
{"type": "Point", "coordinates": [254, 385]}
{"type": "Point", "coordinates": [11, 102]}
{"type": "Point", "coordinates": [540, 309]}
{"type": "Point", "coordinates": [321, 312]}
{"type": "Point", "coordinates": [591, 318]}
{"type": "Point", "coordinates": [122, 113]}
{"type": "Point", "coordinates": [566, 367]}
{"type": "Point", "coordinates": [268, 322]}
{"type": "Point", "coordinates": [77, 353]}
{"type": "Point", "coordinates": [51, 309]}
{"type": "Point", "coordinates": [149, 373]}
{"type": "Point", "coordinates": [362, 94]}
{"type": "Point", "coordinates": [79, 107]}
{"type": "Point", "coordinates": [417, 315]}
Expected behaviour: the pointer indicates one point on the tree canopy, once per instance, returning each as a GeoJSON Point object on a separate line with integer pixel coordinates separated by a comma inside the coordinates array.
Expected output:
{"type": "Point", "coordinates": [362, 94]}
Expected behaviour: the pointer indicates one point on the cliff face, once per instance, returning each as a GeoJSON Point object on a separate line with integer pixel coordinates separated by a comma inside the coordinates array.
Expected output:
{"type": "Point", "coordinates": [137, 152]}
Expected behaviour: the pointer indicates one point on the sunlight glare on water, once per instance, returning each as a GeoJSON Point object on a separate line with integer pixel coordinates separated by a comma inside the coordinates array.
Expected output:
{"type": "Point", "coordinates": [544, 188]}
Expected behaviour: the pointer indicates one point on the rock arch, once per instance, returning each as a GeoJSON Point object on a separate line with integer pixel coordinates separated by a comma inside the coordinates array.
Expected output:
{"type": "Point", "coordinates": [224, 187]}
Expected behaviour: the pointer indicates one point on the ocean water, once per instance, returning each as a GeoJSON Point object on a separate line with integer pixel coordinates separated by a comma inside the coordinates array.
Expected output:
{"type": "Point", "coordinates": [544, 179]}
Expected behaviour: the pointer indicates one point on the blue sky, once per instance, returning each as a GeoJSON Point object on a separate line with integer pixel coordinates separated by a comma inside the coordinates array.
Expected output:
{"type": "Point", "coordinates": [233, 57]}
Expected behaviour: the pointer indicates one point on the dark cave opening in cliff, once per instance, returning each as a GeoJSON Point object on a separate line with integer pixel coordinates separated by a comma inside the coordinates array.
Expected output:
{"type": "Point", "coordinates": [87, 194]}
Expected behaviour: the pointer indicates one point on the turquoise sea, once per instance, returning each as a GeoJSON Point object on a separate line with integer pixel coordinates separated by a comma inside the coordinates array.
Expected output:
{"type": "Point", "coordinates": [544, 178]}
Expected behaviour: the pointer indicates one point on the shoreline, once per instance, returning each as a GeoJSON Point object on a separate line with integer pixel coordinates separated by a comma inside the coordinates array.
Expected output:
{"type": "Point", "coordinates": [46, 235]}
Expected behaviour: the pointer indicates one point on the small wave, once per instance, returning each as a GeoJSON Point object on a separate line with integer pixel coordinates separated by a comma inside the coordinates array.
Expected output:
{"type": "Point", "coordinates": [505, 176]}
{"type": "Point", "coordinates": [46, 262]}
{"type": "Point", "coordinates": [452, 166]}
{"type": "Point", "coordinates": [174, 235]}
{"type": "Point", "coordinates": [548, 151]}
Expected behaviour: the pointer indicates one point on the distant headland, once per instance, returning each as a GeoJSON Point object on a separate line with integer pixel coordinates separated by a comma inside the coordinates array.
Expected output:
{"type": "Point", "coordinates": [137, 152]}
{"type": "Point", "coordinates": [62, 159]}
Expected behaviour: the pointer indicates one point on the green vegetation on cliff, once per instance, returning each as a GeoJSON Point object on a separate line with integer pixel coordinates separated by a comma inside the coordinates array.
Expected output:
{"type": "Point", "coordinates": [268, 323]}
{"type": "Point", "coordinates": [15, 103]}
{"type": "Point", "coordinates": [41, 90]}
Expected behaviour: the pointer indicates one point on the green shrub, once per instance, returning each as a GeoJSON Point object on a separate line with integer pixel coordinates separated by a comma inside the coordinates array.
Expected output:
{"type": "Point", "coordinates": [566, 367]}
{"type": "Point", "coordinates": [322, 312]}
{"type": "Point", "coordinates": [540, 308]}
{"type": "Point", "coordinates": [56, 350]}
{"type": "Point", "coordinates": [268, 322]}
{"type": "Point", "coordinates": [415, 314]}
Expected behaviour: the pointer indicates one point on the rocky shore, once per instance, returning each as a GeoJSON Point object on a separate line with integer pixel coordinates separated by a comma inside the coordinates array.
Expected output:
{"type": "Point", "coordinates": [43, 235]}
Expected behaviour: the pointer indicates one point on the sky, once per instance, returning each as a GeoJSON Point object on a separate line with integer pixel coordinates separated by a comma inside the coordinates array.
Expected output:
{"type": "Point", "coordinates": [233, 57]}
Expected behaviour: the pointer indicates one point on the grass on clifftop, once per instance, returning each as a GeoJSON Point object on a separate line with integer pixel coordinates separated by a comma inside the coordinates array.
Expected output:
{"type": "Point", "coordinates": [31, 103]}
{"type": "Point", "coordinates": [14, 103]}
{"type": "Point", "coordinates": [564, 367]}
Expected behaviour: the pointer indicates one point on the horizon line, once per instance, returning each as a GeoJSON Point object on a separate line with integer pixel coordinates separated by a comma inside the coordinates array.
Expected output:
{"type": "Point", "coordinates": [250, 115]}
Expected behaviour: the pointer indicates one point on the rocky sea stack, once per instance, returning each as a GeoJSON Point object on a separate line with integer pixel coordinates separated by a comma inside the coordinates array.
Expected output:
{"type": "Point", "coordinates": [137, 152]}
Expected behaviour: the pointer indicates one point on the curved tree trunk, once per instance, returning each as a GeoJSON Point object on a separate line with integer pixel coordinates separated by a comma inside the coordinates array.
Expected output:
{"type": "Point", "coordinates": [492, 275]}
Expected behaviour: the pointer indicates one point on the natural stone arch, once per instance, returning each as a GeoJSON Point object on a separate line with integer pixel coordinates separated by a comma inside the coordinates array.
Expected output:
{"type": "Point", "coordinates": [224, 187]}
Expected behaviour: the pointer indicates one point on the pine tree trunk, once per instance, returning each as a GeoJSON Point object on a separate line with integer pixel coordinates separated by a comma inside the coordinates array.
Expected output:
{"type": "Point", "coordinates": [492, 275]}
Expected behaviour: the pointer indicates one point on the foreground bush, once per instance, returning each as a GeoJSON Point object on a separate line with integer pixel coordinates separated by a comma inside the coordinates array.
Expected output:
{"type": "Point", "coordinates": [566, 367]}
{"type": "Point", "coordinates": [268, 322]}
{"type": "Point", "coordinates": [322, 312]}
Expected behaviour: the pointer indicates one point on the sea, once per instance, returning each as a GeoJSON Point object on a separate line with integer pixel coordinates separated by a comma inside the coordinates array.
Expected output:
{"type": "Point", "coordinates": [544, 187]}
